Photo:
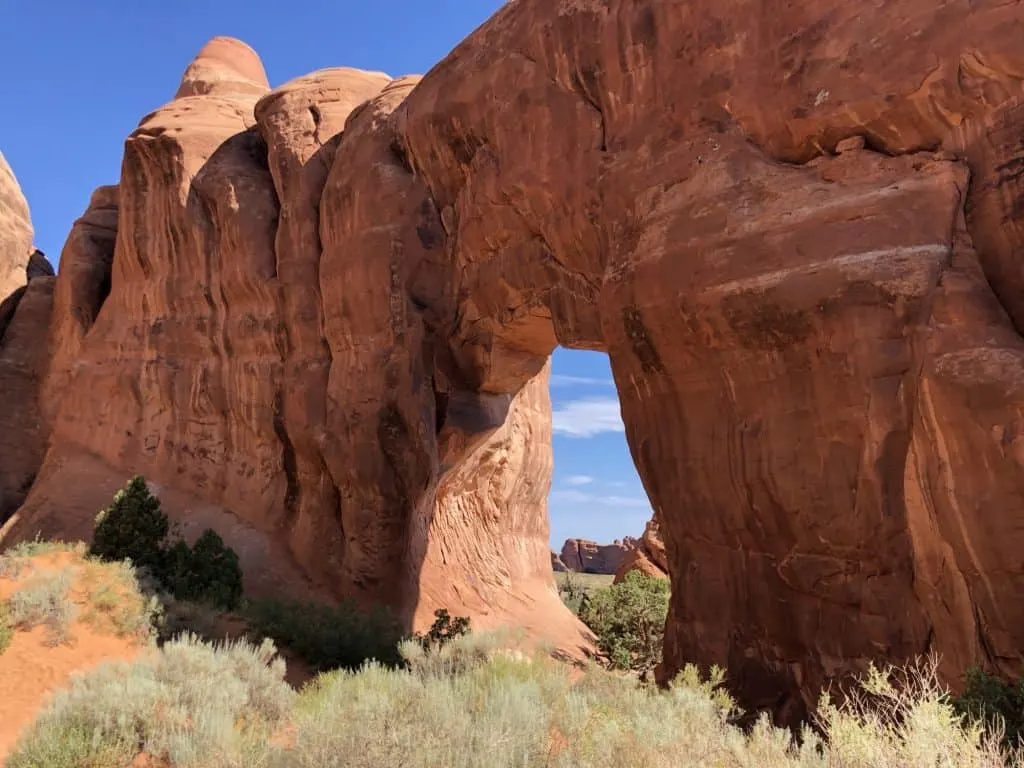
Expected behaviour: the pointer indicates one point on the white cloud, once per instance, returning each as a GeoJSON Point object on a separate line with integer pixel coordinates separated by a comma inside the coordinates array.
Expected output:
{"type": "Point", "coordinates": [587, 417]}
{"type": "Point", "coordinates": [579, 480]}
{"type": "Point", "coordinates": [603, 500]}
{"type": "Point", "coordinates": [561, 380]}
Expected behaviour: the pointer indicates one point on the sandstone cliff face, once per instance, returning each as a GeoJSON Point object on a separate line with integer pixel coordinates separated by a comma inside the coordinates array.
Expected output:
{"type": "Point", "coordinates": [15, 232]}
{"type": "Point", "coordinates": [24, 319]}
{"type": "Point", "coordinates": [322, 342]}
{"type": "Point", "coordinates": [591, 557]}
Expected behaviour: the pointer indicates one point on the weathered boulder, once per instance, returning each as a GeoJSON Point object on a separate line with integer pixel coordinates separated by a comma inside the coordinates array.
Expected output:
{"type": "Point", "coordinates": [590, 557]}
{"type": "Point", "coordinates": [794, 231]}
{"type": "Point", "coordinates": [556, 563]}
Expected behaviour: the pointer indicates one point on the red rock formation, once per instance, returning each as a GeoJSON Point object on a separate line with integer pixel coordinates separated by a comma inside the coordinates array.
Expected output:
{"type": "Point", "coordinates": [821, 391]}
{"type": "Point", "coordinates": [591, 557]}
{"type": "Point", "coordinates": [637, 560]}
{"type": "Point", "coordinates": [24, 319]}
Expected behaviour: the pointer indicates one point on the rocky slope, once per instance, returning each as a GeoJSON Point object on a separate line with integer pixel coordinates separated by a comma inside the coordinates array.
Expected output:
{"type": "Point", "coordinates": [793, 229]}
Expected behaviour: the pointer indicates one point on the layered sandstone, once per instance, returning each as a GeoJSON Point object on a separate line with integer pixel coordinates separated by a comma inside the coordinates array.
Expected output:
{"type": "Point", "coordinates": [794, 231]}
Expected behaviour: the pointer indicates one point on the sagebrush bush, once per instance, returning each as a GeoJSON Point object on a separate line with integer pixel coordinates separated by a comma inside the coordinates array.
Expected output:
{"type": "Point", "coordinates": [116, 600]}
{"type": "Point", "coordinates": [327, 636]}
{"type": "Point", "coordinates": [188, 704]}
{"type": "Point", "coordinates": [628, 619]}
{"type": "Point", "coordinates": [469, 704]}
{"type": "Point", "coordinates": [135, 528]}
{"type": "Point", "coordinates": [6, 628]}
{"type": "Point", "coordinates": [44, 599]}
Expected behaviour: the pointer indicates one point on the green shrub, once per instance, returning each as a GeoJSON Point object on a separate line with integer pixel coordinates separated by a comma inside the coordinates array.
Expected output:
{"type": "Point", "coordinates": [188, 704]}
{"type": "Point", "coordinates": [327, 636]}
{"type": "Point", "coordinates": [135, 528]}
{"type": "Point", "coordinates": [628, 619]}
{"type": "Point", "coordinates": [44, 599]}
{"type": "Point", "coordinates": [132, 528]}
{"type": "Point", "coordinates": [998, 704]}
{"type": "Point", "coordinates": [208, 572]}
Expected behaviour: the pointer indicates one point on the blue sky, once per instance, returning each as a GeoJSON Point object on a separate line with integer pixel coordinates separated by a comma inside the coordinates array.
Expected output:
{"type": "Point", "coordinates": [79, 75]}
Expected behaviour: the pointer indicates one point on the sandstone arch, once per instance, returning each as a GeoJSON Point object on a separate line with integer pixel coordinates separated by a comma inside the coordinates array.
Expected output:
{"type": "Point", "coordinates": [793, 230]}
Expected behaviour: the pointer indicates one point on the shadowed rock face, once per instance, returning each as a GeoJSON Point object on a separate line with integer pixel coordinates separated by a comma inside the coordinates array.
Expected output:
{"type": "Point", "coordinates": [793, 228]}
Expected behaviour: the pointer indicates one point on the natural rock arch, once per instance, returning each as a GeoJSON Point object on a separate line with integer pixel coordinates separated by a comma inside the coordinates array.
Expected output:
{"type": "Point", "coordinates": [821, 391]}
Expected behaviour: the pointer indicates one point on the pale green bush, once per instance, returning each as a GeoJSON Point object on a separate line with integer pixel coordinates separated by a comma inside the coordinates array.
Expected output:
{"type": "Point", "coordinates": [190, 703]}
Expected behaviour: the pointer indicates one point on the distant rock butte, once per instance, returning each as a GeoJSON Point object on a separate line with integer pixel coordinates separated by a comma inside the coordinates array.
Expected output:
{"type": "Point", "coordinates": [320, 318]}
{"type": "Point", "coordinates": [590, 557]}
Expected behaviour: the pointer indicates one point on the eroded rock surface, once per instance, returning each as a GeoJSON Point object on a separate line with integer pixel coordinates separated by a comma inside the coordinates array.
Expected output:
{"type": "Point", "coordinates": [794, 231]}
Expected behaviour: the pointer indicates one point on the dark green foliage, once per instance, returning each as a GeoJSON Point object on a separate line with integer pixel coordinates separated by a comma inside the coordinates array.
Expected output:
{"type": "Point", "coordinates": [994, 701]}
{"type": "Point", "coordinates": [135, 528]}
{"type": "Point", "coordinates": [444, 629]}
{"type": "Point", "coordinates": [207, 573]}
{"type": "Point", "coordinates": [629, 620]}
{"type": "Point", "coordinates": [132, 528]}
{"type": "Point", "coordinates": [327, 636]}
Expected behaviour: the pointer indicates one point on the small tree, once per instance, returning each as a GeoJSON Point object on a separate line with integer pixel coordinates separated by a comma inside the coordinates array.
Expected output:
{"type": "Point", "coordinates": [135, 528]}
{"type": "Point", "coordinates": [629, 620]}
{"type": "Point", "coordinates": [444, 629]}
{"type": "Point", "coordinates": [207, 573]}
{"type": "Point", "coordinates": [132, 528]}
